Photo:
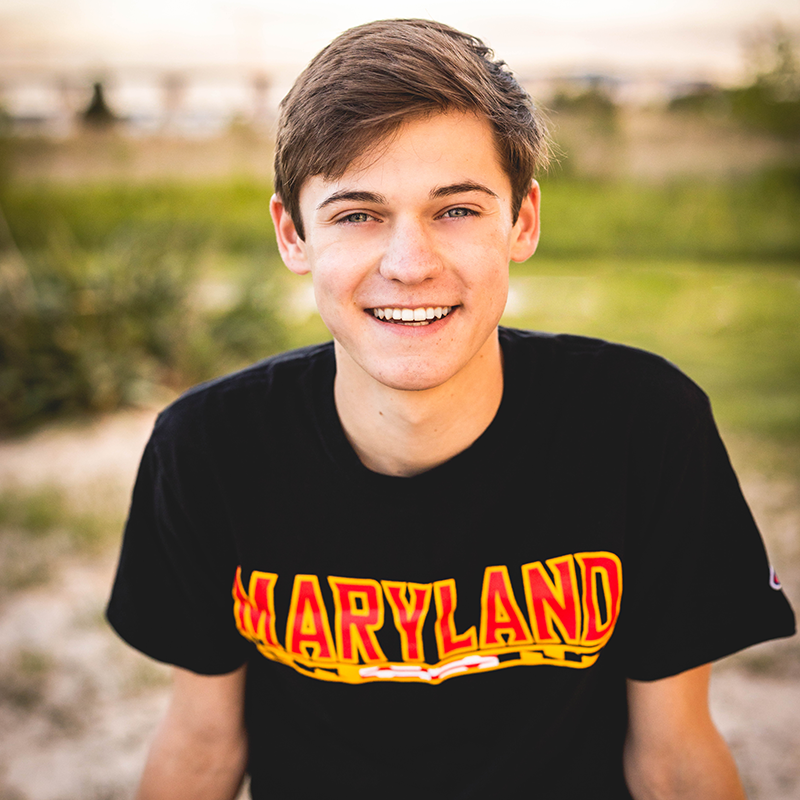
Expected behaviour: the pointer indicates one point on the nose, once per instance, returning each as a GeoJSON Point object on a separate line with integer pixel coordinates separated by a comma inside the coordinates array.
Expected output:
{"type": "Point", "coordinates": [410, 256]}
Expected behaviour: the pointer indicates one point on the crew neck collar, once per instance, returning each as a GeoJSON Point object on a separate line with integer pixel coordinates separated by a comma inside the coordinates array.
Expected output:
{"type": "Point", "coordinates": [483, 449]}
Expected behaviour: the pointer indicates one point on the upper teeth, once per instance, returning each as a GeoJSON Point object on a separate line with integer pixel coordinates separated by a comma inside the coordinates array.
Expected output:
{"type": "Point", "coordinates": [412, 314]}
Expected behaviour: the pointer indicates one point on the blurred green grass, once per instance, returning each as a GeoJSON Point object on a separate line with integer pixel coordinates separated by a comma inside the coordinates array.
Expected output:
{"type": "Point", "coordinates": [232, 215]}
{"type": "Point", "coordinates": [704, 272]}
{"type": "Point", "coordinates": [745, 218]}
{"type": "Point", "coordinates": [752, 218]}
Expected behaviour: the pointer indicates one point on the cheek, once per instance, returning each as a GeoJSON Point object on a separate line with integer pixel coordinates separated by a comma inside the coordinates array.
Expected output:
{"type": "Point", "coordinates": [487, 270]}
{"type": "Point", "coordinates": [331, 273]}
{"type": "Point", "coordinates": [339, 268]}
{"type": "Point", "coordinates": [487, 251]}
{"type": "Point", "coordinates": [327, 298]}
{"type": "Point", "coordinates": [336, 290]}
{"type": "Point", "coordinates": [488, 287]}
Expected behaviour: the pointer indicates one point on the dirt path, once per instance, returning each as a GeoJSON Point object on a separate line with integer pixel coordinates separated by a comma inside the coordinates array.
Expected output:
{"type": "Point", "coordinates": [77, 707]}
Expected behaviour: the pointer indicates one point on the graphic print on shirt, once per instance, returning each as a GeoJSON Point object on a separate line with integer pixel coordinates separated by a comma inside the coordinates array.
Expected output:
{"type": "Point", "coordinates": [566, 617]}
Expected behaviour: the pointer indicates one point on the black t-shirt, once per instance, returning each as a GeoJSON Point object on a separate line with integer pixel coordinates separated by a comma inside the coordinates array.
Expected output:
{"type": "Point", "coordinates": [464, 632]}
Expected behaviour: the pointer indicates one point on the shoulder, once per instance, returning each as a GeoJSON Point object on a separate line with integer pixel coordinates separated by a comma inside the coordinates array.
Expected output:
{"type": "Point", "coordinates": [236, 406]}
{"type": "Point", "coordinates": [594, 372]}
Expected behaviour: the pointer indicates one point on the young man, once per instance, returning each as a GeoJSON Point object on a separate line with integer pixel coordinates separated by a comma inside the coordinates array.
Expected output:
{"type": "Point", "coordinates": [435, 558]}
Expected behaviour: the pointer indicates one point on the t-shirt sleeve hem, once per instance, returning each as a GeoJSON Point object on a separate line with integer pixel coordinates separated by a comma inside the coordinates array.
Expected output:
{"type": "Point", "coordinates": [177, 657]}
{"type": "Point", "coordinates": [711, 652]}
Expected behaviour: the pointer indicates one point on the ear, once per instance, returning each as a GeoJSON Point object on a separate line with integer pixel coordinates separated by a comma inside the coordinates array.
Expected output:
{"type": "Point", "coordinates": [292, 248]}
{"type": "Point", "coordinates": [526, 228]}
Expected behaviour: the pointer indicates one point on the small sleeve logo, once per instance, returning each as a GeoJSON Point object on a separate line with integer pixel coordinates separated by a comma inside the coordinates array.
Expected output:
{"type": "Point", "coordinates": [774, 580]}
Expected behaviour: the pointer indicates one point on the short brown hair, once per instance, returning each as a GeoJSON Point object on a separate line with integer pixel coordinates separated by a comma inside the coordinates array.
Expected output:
{"type": "Point", "coordinates": [372, 78]}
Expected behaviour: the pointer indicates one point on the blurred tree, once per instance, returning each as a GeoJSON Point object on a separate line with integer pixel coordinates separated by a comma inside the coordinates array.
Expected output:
{"type": "Point", "coordinates": [773, 61]}
{"type": "Point", "coordinates": [98, 113]}
{"type": "Point", "coordinates": [589, 97]}
{"type": "Point", "coordinates": [771, 100]}
{"type": "Point", "coordinates": [585, 125]}
{"type": "Point", "coordinates": [5, 147]}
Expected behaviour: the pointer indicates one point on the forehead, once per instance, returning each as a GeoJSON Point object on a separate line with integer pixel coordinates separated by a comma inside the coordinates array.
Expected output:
{"type": "Point", "coordinates": [422, 152]}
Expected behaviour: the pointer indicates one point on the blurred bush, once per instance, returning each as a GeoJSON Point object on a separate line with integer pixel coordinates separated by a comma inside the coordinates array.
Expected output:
{"type": "Point", "coordinates": [92, 325]}
{"type": "Point", "coordinates": [770, 102]}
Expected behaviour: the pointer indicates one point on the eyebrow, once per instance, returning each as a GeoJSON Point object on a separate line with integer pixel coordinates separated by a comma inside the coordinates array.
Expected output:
{"type": "Point", "coordinates": [434, 194]}
{"type": "Point", "coordinates": [353, 196]}
{"type": "Point", "coordinates": [460, 188]}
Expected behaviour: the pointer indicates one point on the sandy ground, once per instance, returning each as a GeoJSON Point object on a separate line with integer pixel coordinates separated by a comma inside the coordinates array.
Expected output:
{"type": "Point", "coordinates": [78, 707]}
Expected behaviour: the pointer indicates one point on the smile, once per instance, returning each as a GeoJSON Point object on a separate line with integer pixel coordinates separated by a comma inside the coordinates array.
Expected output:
{"type": "Point", "coordinates": [412, 316]}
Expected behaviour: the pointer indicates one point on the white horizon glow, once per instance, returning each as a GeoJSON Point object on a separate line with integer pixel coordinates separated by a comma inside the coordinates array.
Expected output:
{"type": "Point", "coordinates": [696, 33]}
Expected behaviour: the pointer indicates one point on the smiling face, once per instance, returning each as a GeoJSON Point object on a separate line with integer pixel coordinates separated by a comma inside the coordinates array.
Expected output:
{"type": "Point", "coordinates": [409, 254]}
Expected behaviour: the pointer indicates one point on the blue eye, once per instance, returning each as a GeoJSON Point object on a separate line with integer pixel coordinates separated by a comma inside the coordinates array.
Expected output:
{"type": "Point", "coordinates": [456, 213]}
{"type": "Point", "coordinates": [357, 217]}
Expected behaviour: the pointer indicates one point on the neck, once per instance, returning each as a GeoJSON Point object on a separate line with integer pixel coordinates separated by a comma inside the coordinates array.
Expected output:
{"type": "Point", "coordinates": [404, 433]}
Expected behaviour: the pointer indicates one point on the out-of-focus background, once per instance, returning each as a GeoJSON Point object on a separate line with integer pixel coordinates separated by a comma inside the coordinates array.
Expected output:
{"type": "Point", "coordinates": [137, 258]}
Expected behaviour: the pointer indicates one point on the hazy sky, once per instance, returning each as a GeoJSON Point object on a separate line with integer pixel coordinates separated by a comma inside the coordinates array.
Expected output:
{"type": "Point", "coordinates": [699, 35]}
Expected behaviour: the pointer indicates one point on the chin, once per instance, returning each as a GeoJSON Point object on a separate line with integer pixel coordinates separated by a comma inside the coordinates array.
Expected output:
{"type": "Point", "coordinates": [412, 382]}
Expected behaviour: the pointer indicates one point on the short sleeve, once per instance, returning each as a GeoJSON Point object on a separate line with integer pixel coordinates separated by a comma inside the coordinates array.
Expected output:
{"type": "Point", "coordinates": [699, 585]}
{"type": "Point", "coordinates": [171, 598]}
